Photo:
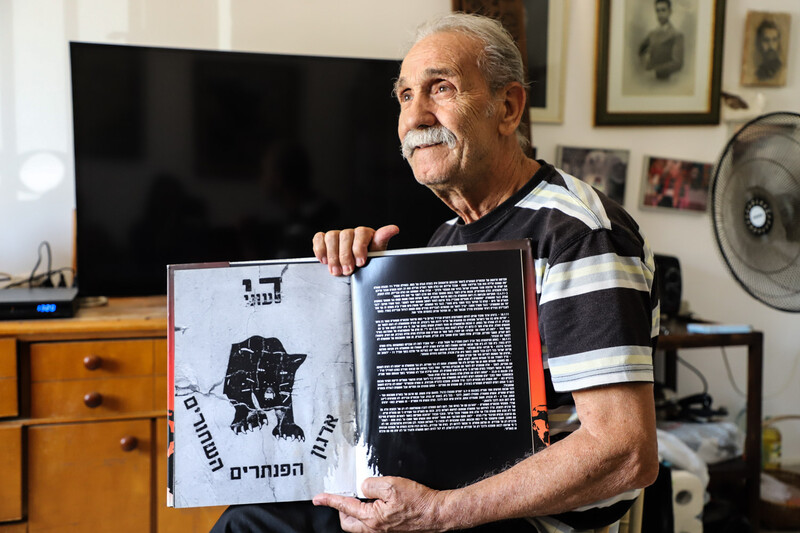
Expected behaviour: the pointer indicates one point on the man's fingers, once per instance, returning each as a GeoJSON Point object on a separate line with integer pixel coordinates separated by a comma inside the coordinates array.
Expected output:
{"type": "Point", "coordinates": [344, 504]}
{"type": "Point", "coordinates": [344, 250]}
{"type": "Point", "coordinates": [332, 252]}
{"type": "Point", "coordinates": [346, 259]}
{"type": "Point", "coordinates": [362, 243]}
{"type": "Point", "coordinates": [381, 237]}
{"type": "Point", "coordinates": [320, 250]}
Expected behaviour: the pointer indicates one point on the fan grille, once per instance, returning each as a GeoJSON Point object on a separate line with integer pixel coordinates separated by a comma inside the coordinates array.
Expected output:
{"type": "Point", "coordinates": [756, 209]}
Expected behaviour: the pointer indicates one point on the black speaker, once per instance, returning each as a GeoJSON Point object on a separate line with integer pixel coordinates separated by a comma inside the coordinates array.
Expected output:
{"type": "Point", "coordinates": [668, 278]}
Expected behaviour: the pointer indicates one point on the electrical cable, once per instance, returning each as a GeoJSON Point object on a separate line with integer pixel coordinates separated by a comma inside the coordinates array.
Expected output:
{"type": "Point", "coordinates": [730, 373]}
{"type": "Point", "coordinates": [39, 261]}
{"type": "Point", "coordinates": [764, 396]}
{"type": "Point", "coordinates": [696, 372]}
{"type": "Point", "coordinates": [34, 278]}
{"type": "Point", "coordinates": [38, 277]}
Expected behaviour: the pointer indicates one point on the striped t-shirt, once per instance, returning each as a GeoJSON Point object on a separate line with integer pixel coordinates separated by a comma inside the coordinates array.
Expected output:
{"type": "Point", "coordinates": [598, 308]}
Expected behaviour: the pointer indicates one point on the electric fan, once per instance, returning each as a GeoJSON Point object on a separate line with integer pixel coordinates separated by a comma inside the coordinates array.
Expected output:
{"type": "Point", "coordinates": [755, 201]}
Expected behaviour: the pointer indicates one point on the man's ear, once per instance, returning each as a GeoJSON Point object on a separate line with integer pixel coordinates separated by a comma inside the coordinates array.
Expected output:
{"type": "Point", "coordinates": [514, 99]}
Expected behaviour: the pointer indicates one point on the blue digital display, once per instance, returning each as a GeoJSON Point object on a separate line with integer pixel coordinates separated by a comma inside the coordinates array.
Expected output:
{"type": "Point", "coordinates": [46, 308]}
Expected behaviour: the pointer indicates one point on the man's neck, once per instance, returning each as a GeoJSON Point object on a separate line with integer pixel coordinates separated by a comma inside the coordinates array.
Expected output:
{"type": "Point", "coordinates": [483, 194]}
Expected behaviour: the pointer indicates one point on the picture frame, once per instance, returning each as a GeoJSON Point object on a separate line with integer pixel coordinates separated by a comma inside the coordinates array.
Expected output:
{"type": "Point", "coordinates": [659, 63]}
{"type": "Point", "coordinates": [677, 185]}
{"type": "Point", "coordinates": [766, 49]}
{"type": "Point", "coordinates": [606, 169]}
{"type": "Point", "coordinates": [546, 49]}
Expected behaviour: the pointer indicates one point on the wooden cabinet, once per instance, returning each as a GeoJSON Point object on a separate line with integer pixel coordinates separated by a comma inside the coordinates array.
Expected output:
{"type": "Point", "coordinates": [83, 423]}
{"type": "Point", "coordinates": [8, 378]}
{"type": "Point", "coordinates": [11, 467]}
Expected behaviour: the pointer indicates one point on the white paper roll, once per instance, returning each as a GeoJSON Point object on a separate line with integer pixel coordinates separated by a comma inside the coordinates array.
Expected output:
{"type": "Point", "coordinates": [687, 502]}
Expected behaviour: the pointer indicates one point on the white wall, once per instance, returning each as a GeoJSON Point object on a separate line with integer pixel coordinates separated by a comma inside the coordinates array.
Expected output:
{"type": "Point", "coordinates": [36, 164]}
{"type": "Point", "coordinates": [710, 290]}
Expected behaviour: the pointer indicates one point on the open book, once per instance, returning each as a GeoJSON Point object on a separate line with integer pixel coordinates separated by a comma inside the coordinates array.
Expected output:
{"type": "Point", "coordinates": [286, 381]}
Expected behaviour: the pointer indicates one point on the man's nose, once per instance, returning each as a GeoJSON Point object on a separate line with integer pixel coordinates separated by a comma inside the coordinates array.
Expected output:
{"type": "Point", "coordinates": [419, 114]}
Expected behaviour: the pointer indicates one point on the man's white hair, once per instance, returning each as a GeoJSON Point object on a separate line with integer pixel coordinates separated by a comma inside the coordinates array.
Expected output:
{"type": "Point", "coordinates": [499, 60]}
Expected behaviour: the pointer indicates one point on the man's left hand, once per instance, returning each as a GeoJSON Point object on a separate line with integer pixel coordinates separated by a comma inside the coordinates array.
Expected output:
{"type": "Point", "coordinates": [396, 504]}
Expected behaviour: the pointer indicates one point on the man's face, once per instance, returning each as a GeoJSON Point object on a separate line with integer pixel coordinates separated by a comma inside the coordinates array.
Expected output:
{"type": "Point", "coordinates": [440, 85]}
{"type": "Point", "coordinates": [770, 42]}
{"type": "Point", "coordinates": [663, 12]}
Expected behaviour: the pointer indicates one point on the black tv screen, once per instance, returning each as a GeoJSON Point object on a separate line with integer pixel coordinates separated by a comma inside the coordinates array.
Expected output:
{"type": "Point", "coordinates": [186, 156]}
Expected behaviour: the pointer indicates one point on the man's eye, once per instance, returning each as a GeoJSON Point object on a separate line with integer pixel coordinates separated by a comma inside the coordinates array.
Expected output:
{"type": "Point", "coordinates": [442, 88]}
{"type": "Point", "coordinates": [405, 97]}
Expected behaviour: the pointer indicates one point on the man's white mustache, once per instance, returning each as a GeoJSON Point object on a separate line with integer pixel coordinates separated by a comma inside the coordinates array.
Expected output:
{"type": "Point", "coordinates": [426, 137]}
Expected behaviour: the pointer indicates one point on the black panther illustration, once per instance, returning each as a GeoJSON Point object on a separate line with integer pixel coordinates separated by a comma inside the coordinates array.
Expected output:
{"type": "Point", "coordinates": [260, 377]}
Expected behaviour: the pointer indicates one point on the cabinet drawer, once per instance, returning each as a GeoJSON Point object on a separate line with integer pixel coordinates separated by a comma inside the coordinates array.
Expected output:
{"type": "Point", "coordinates": [90, 476]}
{"type": "Point", "coordinates": [53, 361]}
{"type": "Point", "coordinates": [8, 378]}
{"type": "Point", "coordinates": [91, 397]}
{"type": "Point", "coordinates": [10, 473]}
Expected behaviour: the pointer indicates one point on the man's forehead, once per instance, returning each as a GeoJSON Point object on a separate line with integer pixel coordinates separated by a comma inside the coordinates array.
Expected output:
{"type": "Point", "coordinates": [441, 54]}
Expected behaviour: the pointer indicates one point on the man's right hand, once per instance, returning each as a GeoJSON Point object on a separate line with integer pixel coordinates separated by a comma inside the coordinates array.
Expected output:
{"type": "Point", "coordinates": [344, 250]}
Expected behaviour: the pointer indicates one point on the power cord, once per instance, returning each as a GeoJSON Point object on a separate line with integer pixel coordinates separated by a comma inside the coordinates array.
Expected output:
{"type": "Point", "coordinates": [699, 374]}
{"type": "Point", "coordinates": [765, 396]}
{"type": "Point", "coordinates": [45, 279]}
{"type": "Point", "coordinates": [730, 373]}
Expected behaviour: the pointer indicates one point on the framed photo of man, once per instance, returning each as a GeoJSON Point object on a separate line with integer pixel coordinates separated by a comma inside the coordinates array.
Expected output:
{"type": "Point", "coordinates": [766, 49]}
{"type": "Point", "coordinates": [659, 61]}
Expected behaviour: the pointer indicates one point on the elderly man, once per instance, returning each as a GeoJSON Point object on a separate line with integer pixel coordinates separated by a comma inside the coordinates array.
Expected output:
{"type": "Point", "coordinates": [462, 95]}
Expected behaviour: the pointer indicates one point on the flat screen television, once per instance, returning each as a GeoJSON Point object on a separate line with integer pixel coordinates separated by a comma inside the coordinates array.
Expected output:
{"type": "Point", "coordinates": [186, 156]}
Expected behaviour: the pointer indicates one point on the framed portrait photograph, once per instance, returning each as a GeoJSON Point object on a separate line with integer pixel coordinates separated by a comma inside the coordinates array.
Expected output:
{"type": "Point", "coordinates": [659, 62]}
{"type": "Point", "coordinates": [766, 49]}
{"type": "Point", "coordinates": [546, 47]}
{"type": "Point", "coordinates": [676, 184]}
{"type": "Point", "coordinates": [604, 169]}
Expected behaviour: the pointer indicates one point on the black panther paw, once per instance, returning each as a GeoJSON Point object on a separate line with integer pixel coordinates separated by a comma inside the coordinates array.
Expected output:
{"type": "Point", "coordinates": [289, 431]}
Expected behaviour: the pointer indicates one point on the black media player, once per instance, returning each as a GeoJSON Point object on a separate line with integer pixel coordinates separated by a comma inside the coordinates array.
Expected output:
{"type": "Point", "coordinates": [24, 303]}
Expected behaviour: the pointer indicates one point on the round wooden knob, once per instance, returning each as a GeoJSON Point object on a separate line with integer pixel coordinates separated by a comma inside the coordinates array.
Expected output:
{"type": "Point", "coordinates": [93, 399]}
{"type": "Point", "coordinates": [128, 443]}
{"type": "Point", "coordinates": [92, 362]}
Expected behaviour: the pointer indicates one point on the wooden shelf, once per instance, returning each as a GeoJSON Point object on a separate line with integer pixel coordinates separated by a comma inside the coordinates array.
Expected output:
{"type": "Point", "coordinates": [675, 337]}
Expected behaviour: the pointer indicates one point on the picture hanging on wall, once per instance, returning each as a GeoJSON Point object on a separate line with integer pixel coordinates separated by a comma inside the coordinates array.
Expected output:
{"type": "Point", "coordinates": [659, 62]}
{"type": "Point", "coordinates": [604, 169]}
{"type": "Point", "coordinates": [766, 49]}
{"type": "Point", "coordinates": [676, 184]}
{"type": "Point", "coordinates": [546, 47]}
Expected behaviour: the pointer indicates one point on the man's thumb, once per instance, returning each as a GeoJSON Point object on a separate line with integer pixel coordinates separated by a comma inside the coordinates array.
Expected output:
{"type": "Point", "coordinates": [380, 241]}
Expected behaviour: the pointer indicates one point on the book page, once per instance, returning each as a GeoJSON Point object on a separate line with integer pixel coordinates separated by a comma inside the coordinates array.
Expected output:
{"type": "Point", "coordinates": [442, 365]}
{"type": "Point", "coordinates": [263, 383]}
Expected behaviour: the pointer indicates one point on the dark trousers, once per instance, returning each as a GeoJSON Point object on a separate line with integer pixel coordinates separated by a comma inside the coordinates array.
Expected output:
{"type": "Point", "coordinates": [304, 517]}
